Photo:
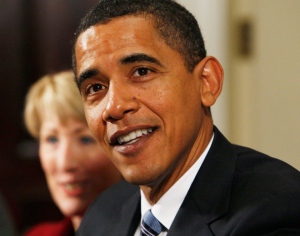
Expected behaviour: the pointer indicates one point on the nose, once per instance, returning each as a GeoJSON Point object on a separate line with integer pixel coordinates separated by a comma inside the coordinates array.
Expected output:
{"type": "Point", "coordinates": [120, 101]}
{"type": "Point", "coordinates": [67, 157]}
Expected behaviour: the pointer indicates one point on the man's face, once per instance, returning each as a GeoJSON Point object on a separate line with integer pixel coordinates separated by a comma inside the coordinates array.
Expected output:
{"type": "Point", "coordinates": [140, 101]}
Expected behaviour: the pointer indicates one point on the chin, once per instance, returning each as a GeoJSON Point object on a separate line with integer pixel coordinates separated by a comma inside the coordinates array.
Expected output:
{"type": "Point", "coordinates": [72, 209]}
{"type": "Point", "coordinates": [138, 179]}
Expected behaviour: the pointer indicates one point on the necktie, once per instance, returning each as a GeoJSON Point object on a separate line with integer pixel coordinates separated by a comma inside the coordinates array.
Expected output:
{"type": "Point", "coordinates": [150, 225]}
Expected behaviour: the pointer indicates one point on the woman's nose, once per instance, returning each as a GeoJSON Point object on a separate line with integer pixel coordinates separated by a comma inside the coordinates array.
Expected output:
{"type": "Point", "coordinates": [67, 159]}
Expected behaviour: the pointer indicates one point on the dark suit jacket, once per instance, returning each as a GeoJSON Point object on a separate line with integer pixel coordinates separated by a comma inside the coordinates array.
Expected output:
{"type": "Point", "coordinates": [237, 191]}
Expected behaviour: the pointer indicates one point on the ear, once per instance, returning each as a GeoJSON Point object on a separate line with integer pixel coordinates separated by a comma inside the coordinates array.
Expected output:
{"type": "Point", "coordinates": [210, 73]}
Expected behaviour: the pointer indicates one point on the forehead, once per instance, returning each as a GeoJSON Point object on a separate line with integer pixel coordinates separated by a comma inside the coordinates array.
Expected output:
{"type": "Point", "coordinates": [121, 35]}
{"type": "Point", "coordinates": [127, 27]}
{"type": "Point", "coordinates": [54, 123]}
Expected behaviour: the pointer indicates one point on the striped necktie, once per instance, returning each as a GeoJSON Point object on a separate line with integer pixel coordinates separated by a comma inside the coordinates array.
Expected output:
{"type": "Point", "coordinates": [150, 225]}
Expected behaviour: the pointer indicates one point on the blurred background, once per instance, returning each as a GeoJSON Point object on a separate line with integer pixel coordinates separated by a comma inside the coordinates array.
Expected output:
{"type": "Point", "coordinates": [34, 40]}
{"type": "Point", "coordinates": [257, 42]}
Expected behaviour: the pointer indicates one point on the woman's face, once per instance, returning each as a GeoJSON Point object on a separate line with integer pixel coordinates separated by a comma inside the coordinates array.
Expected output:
{"type": "Point", "coordinates": [75, 166]}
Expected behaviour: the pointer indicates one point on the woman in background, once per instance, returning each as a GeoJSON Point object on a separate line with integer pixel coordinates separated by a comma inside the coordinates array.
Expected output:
{"type": "Point", "coordinates": [75, 167]}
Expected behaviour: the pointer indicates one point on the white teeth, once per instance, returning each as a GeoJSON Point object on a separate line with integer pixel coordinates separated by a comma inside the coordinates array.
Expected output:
{"type": "Point", "coordinates": [72, 186]}
{"type": "Point", "coordinates": [121, 140]}
{"type": "Point", "coordinates": [133, 135]}
{"type": "Point", "coordinates": [126, 138]}
{"type": "Point", "coordinates": [144, 131]}
{"type": "Point", "coordinates": [139, 133]}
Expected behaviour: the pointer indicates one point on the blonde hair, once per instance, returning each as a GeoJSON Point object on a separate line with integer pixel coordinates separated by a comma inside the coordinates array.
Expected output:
{"type": "Point", "coordinates": [53, 94]}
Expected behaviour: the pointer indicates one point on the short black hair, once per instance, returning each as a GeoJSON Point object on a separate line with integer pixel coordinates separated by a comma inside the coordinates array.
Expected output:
{"type": "Point", "coordinates": [175, 24]}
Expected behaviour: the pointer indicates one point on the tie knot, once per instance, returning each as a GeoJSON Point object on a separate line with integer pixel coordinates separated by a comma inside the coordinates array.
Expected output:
{"type": "Point", "coordinates": [150, 225]}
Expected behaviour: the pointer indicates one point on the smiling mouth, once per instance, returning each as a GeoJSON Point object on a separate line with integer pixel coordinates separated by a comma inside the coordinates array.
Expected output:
{"type": "Point", "coordinates": [133, 136]}
{"type": "Point", "coordinates": [73, 186]}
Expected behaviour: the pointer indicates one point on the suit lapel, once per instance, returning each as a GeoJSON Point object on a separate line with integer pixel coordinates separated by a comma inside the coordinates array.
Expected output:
{"type": "Point", "coordinates": [209, 194]}
{"type": "Point", "coordinates": [130, 216]}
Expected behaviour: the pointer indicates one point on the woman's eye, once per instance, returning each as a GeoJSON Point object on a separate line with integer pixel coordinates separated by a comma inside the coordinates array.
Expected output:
{"type": "Point", "coordinates": [52, 139]}
{"type": "Point", "coordinates": [142, 72]}
{"type": "Point", "coordinates": [87, 140]}
{"type": "Point", "coordinates": [94, 88]}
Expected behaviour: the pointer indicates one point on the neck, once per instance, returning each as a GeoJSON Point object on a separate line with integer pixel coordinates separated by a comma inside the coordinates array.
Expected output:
{"type": "Point", "coordinates": [76, 220]}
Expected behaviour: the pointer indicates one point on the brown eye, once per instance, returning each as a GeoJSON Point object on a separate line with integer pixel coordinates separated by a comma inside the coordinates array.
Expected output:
{"type": "Point", "coordinates": [141, 72]}
{"type": "Point", "coordinates": [95, 88]}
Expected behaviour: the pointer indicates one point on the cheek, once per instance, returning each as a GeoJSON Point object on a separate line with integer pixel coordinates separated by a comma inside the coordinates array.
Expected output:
{"type": "Point", "coordinates": [48, 165]}
{"type": "Point", "coordinates": [47, 162]}
{"type": "Point", "coordinates": [94, 119]}
{"type": "Point", "coordinates": [104, 172]}
{"type": "Point", "coordinates": [170, 94]}
{"type": "Point", "coordinates": [178, 99]}
{"type": "Point", "coordinates": [99, 164]}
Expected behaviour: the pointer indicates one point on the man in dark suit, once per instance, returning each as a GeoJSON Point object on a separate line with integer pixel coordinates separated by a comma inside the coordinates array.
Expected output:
{"type": "Point", "coordinates": [147, 86]}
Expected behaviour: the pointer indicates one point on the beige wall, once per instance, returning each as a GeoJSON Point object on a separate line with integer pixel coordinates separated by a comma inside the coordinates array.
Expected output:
{"type": "Point", "coordinates": [265, 85]}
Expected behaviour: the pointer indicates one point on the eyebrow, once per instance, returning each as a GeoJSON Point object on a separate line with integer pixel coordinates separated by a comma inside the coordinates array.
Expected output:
{"type": "Point", "coordinates": [139, 57]}
{"type": "Point", "coordinates": [86, 75]}
{"type": "Point", "coordinates": [79, 129]}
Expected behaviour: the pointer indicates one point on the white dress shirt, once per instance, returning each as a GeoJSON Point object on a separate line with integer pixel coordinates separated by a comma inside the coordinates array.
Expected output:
{"type": "Point", "coordinates": [168, 205]}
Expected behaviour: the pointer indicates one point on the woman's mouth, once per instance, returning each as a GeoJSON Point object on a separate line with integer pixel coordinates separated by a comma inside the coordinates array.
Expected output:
{"type": "Point", "coordinates": [74, 189]}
